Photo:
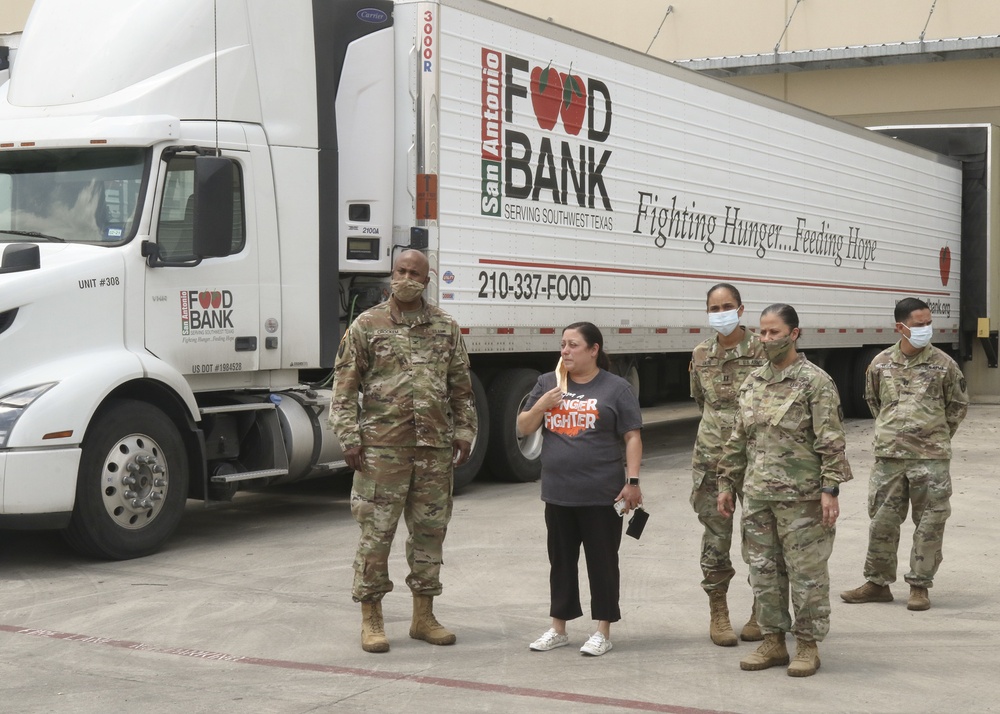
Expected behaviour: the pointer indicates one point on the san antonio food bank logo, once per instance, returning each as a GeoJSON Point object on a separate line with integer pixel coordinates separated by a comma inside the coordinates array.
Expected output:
{"type": "Point", "coordinates": [573, 416]}
{"type": "Point", "coordinates": [520, 162]}
{"type": "Point", "coordinates": [206, 309]}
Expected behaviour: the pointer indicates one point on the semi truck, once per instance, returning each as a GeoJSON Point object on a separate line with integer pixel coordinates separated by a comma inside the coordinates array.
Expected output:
{"type": "Point", "coordinates": [197, 198]}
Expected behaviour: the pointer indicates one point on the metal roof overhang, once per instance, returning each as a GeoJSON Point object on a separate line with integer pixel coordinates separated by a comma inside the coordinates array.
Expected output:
{"type": "Point", "coordinates": [963, 48]}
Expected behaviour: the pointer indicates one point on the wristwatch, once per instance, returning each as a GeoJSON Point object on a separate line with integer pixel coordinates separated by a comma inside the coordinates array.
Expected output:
{"type": "Point", "coordinates": [632, 480]}
{"type": "Point", "coordinates": [832, 490]}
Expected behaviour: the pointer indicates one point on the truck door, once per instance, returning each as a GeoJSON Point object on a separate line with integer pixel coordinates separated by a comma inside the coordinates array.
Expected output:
{"type": "Point", "coordinates": [202, 315]}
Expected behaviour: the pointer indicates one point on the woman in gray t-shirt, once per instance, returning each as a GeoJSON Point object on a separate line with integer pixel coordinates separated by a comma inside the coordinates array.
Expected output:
{"type": "Point", "coordinates": [584, 423]}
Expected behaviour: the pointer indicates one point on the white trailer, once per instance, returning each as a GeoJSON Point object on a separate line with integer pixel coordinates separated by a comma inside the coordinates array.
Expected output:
{"type": "Point", "coordinates": [579, 180]}
{"type": "Point", "coordinates": [190, 217]}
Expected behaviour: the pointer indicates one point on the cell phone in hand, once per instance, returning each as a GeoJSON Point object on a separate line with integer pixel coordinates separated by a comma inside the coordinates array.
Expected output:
{"type": "Point", "coordinates": [637, 522]}
{"type": "Point", "coordinates": [620, 507]}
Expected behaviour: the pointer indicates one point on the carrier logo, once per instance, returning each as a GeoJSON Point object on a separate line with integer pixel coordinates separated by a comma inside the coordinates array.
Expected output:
{"type": "Point", "coordinates": [206, 310]}
{"type": "Point", "coordinates": [553, 161]}
{"type": "Point", "coordinates": [372, 15]}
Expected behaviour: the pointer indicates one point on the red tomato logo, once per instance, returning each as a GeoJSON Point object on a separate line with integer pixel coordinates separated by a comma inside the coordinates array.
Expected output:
{"type": "Point", "coordinates": [574, 102]}
{"type": "Point", "coordinates": [546, 93]}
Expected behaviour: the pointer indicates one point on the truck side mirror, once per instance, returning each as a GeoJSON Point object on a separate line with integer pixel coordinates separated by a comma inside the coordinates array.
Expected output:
{"type": "Point", "coordinates": [20, 256]}
{"type": "Point", "coordinates": [213, 206]}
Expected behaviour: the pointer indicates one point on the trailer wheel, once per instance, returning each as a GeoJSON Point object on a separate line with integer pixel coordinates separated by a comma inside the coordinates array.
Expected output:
{"type": "Point", "coordinates": [649, 382]}
{"type": "Point", "coordinates": [512, 458]}
{"type": "Point", "coordinates": [468, 471]}
{"type": "Point", "coordinates": [132, 485]}
{"type": "Point", "coordinates": [839, 365]}
{"type": "Point", "coordinates": [627, 369]}
{"type": "Point", "coordinates": [861, 362]}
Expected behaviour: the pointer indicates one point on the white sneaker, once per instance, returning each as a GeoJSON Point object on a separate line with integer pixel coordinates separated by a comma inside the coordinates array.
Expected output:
{"type": "Point", "coordinates": [549, 641]}
{"type": "Point", "coordinates": [596, 645]}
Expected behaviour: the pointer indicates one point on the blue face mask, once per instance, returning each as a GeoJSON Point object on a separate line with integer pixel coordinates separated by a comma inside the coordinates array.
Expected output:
{"type": "Point", "coordinates": [724, 322]}
{"type": "Point", "coordinates": [920, 337]}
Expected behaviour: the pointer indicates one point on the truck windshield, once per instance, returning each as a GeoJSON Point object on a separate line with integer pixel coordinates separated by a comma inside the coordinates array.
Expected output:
{"type": "Point", "coordinates": [90, 195]}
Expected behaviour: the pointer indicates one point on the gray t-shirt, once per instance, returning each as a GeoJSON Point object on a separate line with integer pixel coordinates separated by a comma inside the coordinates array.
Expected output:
{"type": "Point", "coordinates": [582, 439]}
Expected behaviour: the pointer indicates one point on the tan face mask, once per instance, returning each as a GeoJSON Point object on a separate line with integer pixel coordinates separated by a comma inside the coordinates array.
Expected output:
{"type": "Point", "coordinates": [407, 289]}
{"type": "Point", "coordinates": [777, 349]}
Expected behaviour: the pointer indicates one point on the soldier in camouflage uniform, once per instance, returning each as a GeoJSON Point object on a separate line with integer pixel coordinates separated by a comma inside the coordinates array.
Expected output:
{"type": "Point", "coordinates": [918, 397]}
{"type": "Point", "coordinates": [788, 448]}
{"type": "Point", "coordinates": [416, 419]}
{"type": "Point", "coordinates": [718, 367]}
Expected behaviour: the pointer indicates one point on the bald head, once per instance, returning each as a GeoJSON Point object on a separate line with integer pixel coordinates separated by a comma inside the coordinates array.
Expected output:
{"type": "Point", "coordinates": [415, 260]}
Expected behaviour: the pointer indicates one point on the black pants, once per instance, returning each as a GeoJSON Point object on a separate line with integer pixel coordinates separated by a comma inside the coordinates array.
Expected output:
{"type": "Point", "coordinates": [599, 529]}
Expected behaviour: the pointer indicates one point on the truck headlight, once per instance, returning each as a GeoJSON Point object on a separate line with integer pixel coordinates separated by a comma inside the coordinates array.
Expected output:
{"type": "Point", "coordinates": [12, 406]}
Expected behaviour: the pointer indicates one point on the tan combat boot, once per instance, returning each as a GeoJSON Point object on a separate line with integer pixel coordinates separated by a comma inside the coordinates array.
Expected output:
{"type": "Point", "coordinates": [373, 637]}
{"type": "Point", "coordinates": [719, 629]}
{"type": "Point", "coordinates": [919, 599]}
{"type": "Point", "coordinates": [751, 631]}
{"type": "Point", "coordinates": [869, 592]}
{"type": "Point", "coordinates": [771, 653]}
{"type": "Point", "coordinates": [806, 660]}
{"type": "Point", "coordinates": [425, 626]}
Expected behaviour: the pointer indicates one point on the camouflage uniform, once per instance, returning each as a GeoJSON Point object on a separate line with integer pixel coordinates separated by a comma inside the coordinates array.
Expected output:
{"type": "Point", "coordinates": [787, 443]}
{"type": "Point", "coordinates": [918, 403]}
{"type": "Point", "coordinates": [716, 376]}
{"type": "Point", "coordinates": [416, 400]}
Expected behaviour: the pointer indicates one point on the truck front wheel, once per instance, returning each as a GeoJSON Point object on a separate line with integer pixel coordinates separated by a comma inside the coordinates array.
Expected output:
{"type": "Point", "coordinates": [132, 484]}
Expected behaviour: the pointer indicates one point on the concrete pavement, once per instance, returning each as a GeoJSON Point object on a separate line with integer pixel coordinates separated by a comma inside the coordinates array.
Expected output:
{"type": "Point", "coordinates": [248, 610]}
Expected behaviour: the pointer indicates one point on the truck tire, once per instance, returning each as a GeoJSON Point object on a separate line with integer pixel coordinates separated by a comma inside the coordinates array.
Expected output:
{"type": "Point", "coordinates": [649, 382]}
{"type": "Point", "coordinates": [628, 370]}
{"type": "Point", "coordinates": [467, 472]}
{"type": "Point", "coordinates": [861, 362]}
{"type": "Point", "coordinates": [839, 365]}
{"type": "Point", "coordinates": [512, 458]}
{"type": "Point", "coordinates": [132, 484]}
